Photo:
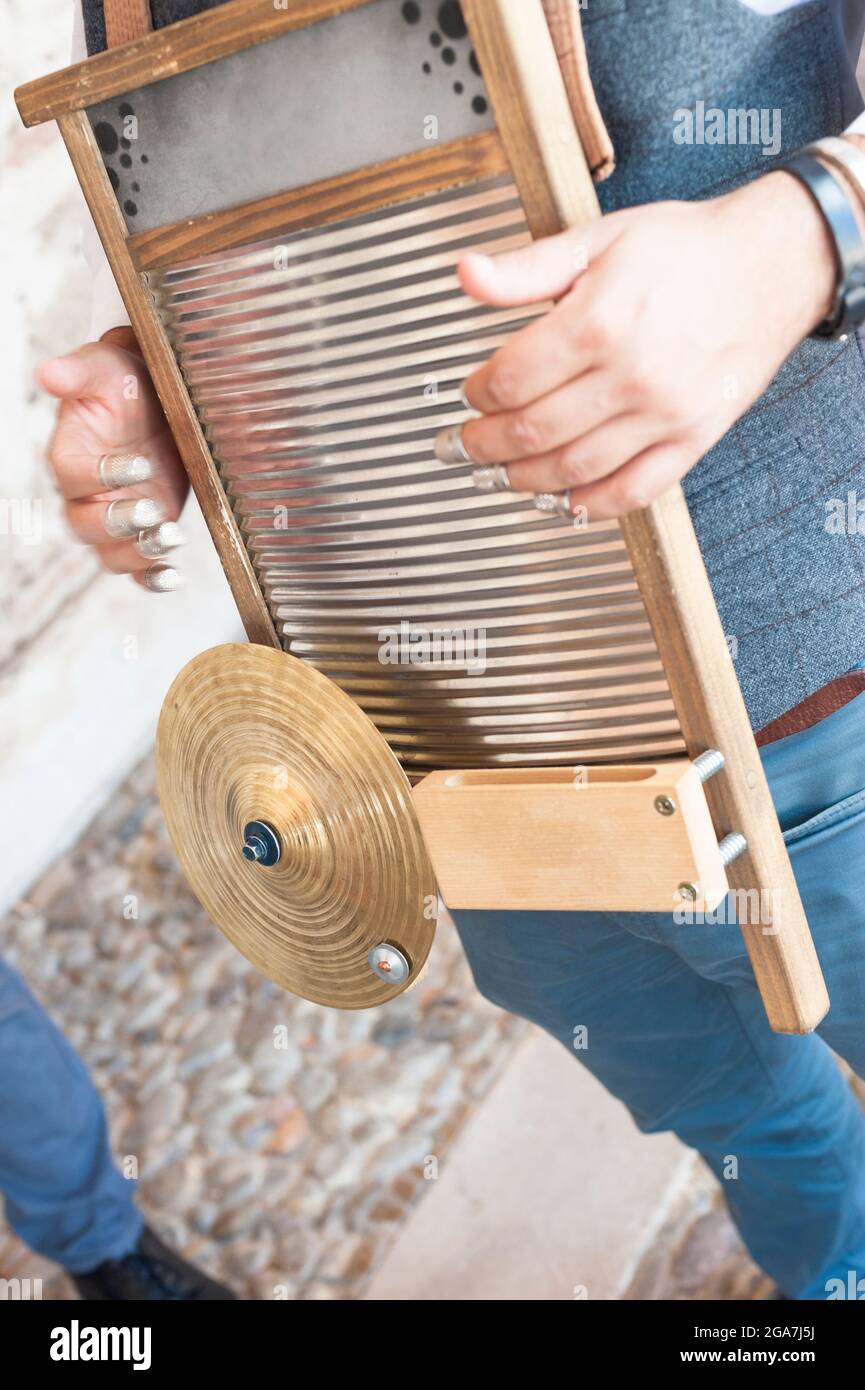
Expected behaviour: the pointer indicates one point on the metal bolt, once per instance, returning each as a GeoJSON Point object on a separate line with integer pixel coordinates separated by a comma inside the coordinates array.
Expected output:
{"type": "Point", "coordinates": [665, 806]}
{"type": "Point", "coordinates": [389, 963]}
{"type": "Point", "coordinates": [708, 763]}
{"type": "Point", "coordinates": [731, 847]}
{"type": "Point", "coordinates": [261, 843]}
{"type": "Point", "coordinates": [688, 891]}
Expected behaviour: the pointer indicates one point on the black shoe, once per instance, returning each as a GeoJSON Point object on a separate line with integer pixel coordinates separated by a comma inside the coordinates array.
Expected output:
{"type": "Point", "coordinates": [151, 1271]}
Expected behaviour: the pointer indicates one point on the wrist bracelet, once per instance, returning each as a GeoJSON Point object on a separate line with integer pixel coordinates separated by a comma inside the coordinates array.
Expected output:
{"type": "Point", "coordinates": [848, 310]}
{"type": "Point", "coordinates": [846, 157]}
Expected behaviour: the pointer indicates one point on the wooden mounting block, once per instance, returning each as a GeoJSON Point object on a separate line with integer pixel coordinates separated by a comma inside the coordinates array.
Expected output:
{"type": "Point", "coordinates": [627, 838]}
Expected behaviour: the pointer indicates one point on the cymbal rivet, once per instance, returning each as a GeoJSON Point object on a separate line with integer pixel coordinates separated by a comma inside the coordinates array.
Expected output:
{"type": "Point", "coordinates": [389, 963]}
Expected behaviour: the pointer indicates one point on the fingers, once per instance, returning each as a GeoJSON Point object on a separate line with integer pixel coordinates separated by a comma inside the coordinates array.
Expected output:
{"type": "Point", "coordinates": [545, 426]}
{"type": "Point", "coordinates": [80, 475]}
{"type": "Point", "coordinates": [544, 269]}
{"type": "Point", "coordinates": [536, 361]}
{"type": "Point", "coordinates": [149, 559]}
{"type": "Point", "coordinates": [563, 344]}
{"type": "Point", "coordinates": [136, 556]}
{"type": "Point", "coordinates": [84, 471]}
{"type": "Point", "coordinates": [131, 531]}
{"type": "Point", "coordinates": [587, 460]}
{"type": "Point", "coordinates": [97, 522]}
{"type": "Point", "coordinates": [114, 460]}
{"type": "Point", "coordinates": [617, 468]}
{"type": "Point", "coordinates": [161, 578]}
{"type": "Point", "coordinates": [636, 485]}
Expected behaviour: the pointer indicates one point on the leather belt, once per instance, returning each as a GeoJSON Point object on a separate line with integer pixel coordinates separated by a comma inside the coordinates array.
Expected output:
{"type": "Point", "coordinates": [820, 705]}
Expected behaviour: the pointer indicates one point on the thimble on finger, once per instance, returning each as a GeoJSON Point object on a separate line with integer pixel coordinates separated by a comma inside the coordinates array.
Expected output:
{"type": "Point", "coordinates": [163, 579]}
{"type": "Point", "coordinates": [449, 446]}
{"type": "Point", "coordinates": [554, 503]}
{"type": "Point", "coordinates": [124, 470]}
{"type": "Point", "coordinates": [492, 479]}
{"type": "Point", "coordinates": [157, 540]}
{"type": "Point", "coordinates": [129, 515]}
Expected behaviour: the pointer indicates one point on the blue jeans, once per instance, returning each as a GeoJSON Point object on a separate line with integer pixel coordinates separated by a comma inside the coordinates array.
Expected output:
{"type": "Point", "coordinates": [63, 1195]}
{"type": "Point", "coordinates": [676, 1030]}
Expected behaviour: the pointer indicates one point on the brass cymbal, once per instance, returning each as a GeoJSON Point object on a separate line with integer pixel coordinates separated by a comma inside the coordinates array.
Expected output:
{"type": "Point", "coordinates": [258, 754]}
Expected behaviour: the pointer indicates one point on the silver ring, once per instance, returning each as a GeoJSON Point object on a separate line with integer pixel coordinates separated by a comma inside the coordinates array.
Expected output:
{"type": "Point", "coordinates": [554, 503]}
{"type": "Point", "coordinates": [492, 479]}
{"type": "Point", "coordinates": [129, 515]}
{"type": "Point", "coordinates": [449, 446]}
{"type": "Point", "coordinates": [124, 470]}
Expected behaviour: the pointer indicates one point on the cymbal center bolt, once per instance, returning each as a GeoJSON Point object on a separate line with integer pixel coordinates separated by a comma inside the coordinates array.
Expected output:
{"type": "Point", "coordinates": [261, 844]}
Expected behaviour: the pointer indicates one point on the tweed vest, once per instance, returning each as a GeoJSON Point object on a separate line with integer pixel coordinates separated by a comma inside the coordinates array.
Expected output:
{"type": "Point", "coordinates": [700, 96]}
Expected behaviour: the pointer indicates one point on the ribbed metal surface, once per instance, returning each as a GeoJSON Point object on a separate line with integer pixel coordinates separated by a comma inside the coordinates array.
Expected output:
{"type": "Point", "coordinates": [322, 367]}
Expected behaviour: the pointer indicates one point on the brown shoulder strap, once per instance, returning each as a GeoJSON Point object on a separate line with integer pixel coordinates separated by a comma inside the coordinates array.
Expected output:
{"type": "Point", "coordinates": [126, 20]}
{"type": "Point", "coordinates": [563, 18]}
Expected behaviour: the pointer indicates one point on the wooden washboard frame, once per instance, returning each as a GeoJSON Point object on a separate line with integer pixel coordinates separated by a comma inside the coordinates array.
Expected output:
{"type": "Point", "coordinates": [536, 141]}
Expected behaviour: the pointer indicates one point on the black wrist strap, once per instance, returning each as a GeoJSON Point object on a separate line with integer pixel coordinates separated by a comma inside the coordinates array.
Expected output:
{"type": "Point", "coordinates": [848, 312]}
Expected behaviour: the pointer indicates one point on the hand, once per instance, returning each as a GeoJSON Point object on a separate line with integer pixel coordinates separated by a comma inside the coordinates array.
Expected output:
{"type": "Point", "coordinates": [671, 320]}
{"type": "Point", "coordinates": [109, 410]}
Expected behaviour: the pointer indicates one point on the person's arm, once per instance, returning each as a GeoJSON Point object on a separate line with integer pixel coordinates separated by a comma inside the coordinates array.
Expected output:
{"type": "Point", "coordinates": [671, 319]}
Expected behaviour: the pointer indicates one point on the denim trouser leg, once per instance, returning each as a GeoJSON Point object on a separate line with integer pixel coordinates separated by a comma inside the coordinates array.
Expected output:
{"type": "Point", "coordinates": [676, 1030]}
{"type": "Point", "coordinates": [63, 1195]}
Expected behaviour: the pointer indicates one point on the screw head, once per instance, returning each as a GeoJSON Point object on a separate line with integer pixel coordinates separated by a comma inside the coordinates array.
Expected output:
{"type": "Point", "coordinates": [689, 892]}
{"type": "Point", "coordinates": [665, 806]}
{"type": "Point", "coordinates": [389, 963]}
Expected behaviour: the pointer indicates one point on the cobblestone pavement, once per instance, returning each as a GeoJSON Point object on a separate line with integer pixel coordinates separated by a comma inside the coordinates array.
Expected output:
{"type": "Point", "coordinates": [286, 1168]}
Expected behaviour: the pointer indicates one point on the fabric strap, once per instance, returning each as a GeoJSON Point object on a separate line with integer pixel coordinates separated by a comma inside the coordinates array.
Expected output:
{"type": "Point", "coordinates": [126, 20]}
